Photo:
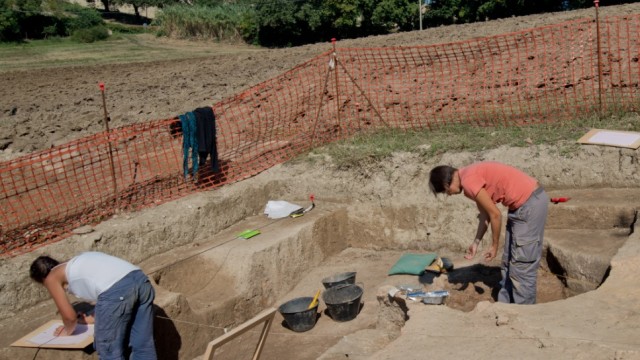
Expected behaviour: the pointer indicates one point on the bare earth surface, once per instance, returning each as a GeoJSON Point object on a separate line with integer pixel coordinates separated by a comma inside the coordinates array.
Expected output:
{"type": "Point", "coordinates": [41, 108]}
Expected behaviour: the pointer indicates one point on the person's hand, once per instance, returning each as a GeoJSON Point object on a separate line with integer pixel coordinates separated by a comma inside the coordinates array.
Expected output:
{"type": "Point", "coordinates": [85, 319]}
{"type": "Point", "coordinates": [471, 251]}
{"type": "Point", "coordinates": [490, 254]}
{"type": "Point", "coordinates": [60, 331]}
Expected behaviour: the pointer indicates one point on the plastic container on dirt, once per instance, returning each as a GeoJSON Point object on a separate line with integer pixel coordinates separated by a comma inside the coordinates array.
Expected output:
{"type": "Point", "coordinates": [297, 315]}
{"type": "Point", "coordinates": [339, 279]}
{"type": "Point", "coordinates": [343, 301]}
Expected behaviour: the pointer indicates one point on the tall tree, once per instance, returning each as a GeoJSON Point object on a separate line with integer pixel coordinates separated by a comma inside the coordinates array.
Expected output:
{"type": "Point", "coordinates": [105, 4]}
{"type": "Point", "coordinates": [342, 17]}
{"type": "Point", "coordinates": [278, 23]}
{"type": "Point", "coordinates": [395, 14]}
{"type": "Point", "coordinates": [465, 11]}
{"type": "Point", "coordinates": [288, 22]}
{"type": "Point", "coordinates": [141, 4]}
{"type": "Point", "coordinates": [14, 14]}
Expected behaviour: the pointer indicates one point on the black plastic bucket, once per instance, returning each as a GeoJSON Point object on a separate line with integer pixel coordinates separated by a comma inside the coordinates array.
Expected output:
{"type": "Point", "coordinates": [297, 315]}
{"type": "Point", "coordinates": [343, 301]}
{"type": "Point", "coordinates": [339, 279]}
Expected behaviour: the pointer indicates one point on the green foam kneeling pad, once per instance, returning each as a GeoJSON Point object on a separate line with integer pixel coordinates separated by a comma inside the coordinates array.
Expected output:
{"type": "Point", "coordinates": [412, 264]}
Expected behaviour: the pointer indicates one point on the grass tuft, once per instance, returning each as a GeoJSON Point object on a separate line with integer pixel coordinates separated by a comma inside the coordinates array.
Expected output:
{"type": "Point", "coordinates": [367, 148]}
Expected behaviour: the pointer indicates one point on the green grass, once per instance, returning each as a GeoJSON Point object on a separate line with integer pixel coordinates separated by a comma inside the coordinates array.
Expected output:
{"type": "Point", "coordinates": [119, 48]}
{"type": "Point", "coordinates": [66, 52]}
{"type": "Point", "coordinates": [369, 148]}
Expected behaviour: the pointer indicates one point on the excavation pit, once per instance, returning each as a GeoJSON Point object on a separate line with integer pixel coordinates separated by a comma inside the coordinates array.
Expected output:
{"type": "Point", "coordinates": [215, 281]}
{"type": "Point", "coordinates": [353, 248]}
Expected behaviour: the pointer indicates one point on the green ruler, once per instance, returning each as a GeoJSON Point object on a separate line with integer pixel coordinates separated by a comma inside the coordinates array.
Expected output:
{"type": "Point", "coordinates": [247, 234]}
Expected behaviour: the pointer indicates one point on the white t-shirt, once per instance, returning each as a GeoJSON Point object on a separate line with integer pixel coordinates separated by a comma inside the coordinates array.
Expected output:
{"type": "Point", "coordinates": [91, 273]}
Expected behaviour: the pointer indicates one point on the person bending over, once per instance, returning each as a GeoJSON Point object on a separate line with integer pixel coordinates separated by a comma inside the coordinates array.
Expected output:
{"type": "Point", "coordinates": [123, 299]}
{"type": "Point", "coordinates": [489, 183]}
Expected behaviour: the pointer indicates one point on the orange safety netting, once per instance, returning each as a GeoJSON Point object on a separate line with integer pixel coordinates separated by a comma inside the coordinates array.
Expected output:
{"type": "Point", "coordinates": [535, 76]}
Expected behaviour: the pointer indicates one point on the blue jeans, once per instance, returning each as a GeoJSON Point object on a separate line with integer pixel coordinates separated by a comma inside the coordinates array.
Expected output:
{"type": "Point", "coordinates": [124, 317]}
{"type": "Point", "coordinates": [523, 250]}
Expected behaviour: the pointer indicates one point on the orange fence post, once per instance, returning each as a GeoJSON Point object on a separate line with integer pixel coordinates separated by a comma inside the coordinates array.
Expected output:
{"type": "Point", "coordinates": [106, 126]}
{"type": "Point", "coordinates": [334, 56]}
{"type": "Point", "coordinates": [332, 66]}
{"type": "Point", "coordinates": [597, 5]}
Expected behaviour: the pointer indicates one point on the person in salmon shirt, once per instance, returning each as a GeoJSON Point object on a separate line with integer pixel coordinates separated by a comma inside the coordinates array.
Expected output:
{"type": "Point", "coordinates": [490, 183]}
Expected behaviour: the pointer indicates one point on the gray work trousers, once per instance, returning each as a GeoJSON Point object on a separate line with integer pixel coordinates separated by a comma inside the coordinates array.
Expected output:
{"type": "Point", "coordinates": [523, 249]}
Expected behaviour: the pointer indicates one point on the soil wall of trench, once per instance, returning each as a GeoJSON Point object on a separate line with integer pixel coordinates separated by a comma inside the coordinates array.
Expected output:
{"type": "Point", "coordinates": [201, 277]}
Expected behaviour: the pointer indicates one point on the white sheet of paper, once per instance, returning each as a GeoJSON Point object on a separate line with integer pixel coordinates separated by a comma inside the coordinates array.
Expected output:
{"type": "Point", "coordinates": [81, 333]}
{"type": "Point", "coordinates": [615, 138]}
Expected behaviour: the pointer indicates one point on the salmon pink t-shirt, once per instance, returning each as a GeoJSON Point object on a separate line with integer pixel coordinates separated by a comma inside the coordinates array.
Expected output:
{"type": "Point", "coordinates": [505, 184]}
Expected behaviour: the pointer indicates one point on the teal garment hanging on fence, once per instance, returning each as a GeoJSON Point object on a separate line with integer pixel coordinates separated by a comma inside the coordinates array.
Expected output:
{"type": "Point", "coordinates": [189, 142]}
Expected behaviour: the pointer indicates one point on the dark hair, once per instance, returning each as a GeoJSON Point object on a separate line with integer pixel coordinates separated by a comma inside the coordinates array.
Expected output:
{"type": "Point", "coordinates": [41, 267]}
{"type": "Point", "coordinates": [440, 177]}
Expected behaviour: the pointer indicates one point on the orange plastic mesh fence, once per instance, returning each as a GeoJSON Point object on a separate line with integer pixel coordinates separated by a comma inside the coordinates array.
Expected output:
{"type": "Point", "coordinates": [540, 75]}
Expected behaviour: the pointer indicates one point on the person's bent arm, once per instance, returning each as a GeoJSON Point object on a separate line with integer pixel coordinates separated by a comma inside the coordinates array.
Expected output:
{"type": "Point", "coordinates": [483, 224]}
{"type": "Point", "coordinates": [494, 216]}
{"type": "Point", "coordinates": [54, 284]}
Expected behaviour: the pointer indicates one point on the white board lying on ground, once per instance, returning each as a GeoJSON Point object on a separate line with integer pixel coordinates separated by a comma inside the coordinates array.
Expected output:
{"type": "Point", "coordinates": [43, 337]}
{"type": "Point", "coordinates": [626, 139]}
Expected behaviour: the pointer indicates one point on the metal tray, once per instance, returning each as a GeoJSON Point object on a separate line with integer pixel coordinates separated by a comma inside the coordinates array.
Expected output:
{"type": "Point", "coordinates": [435, 297]}
{"type": "Point", "coordinates": [416, 295]}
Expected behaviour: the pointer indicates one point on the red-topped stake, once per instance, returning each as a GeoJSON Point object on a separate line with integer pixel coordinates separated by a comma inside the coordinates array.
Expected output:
{"type": "Point", "coordinates": [101, 86]}
{"type": "Point", "coordinates": [556, 200]}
